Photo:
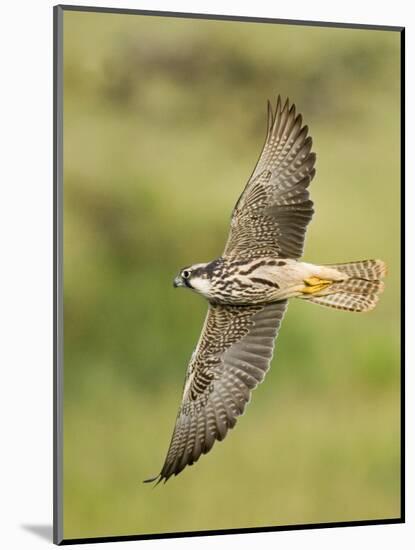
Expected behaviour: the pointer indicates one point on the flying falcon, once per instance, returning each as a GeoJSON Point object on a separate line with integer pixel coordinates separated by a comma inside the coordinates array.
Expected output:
{"type": "Point", "coordinates": [248, 286]}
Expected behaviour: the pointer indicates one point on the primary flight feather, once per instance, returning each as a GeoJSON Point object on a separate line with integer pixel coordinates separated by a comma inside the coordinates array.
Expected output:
{"type": "Point", "coordinates": [249, 285]}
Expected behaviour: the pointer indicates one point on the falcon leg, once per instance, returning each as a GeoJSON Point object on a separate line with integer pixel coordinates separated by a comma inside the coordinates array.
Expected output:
{"type": "Point", "coordinates": [315, 284]}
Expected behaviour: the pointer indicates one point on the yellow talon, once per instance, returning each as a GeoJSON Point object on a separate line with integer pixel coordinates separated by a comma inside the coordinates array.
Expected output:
{"type": "Point", "coordinates": [315, 284]}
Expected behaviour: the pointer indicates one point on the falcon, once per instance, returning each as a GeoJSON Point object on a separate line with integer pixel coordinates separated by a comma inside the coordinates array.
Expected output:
{"type": "Point", "coordinates": [249, 285]}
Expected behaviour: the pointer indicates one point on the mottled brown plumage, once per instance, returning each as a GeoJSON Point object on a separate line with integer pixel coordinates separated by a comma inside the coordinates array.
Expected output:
{"type": "Point", "coordinates": [231, 358]}
{"type": "Point", "coordinates": [248, 287]}
{"type": "Point", "coordinates": [271, 215]}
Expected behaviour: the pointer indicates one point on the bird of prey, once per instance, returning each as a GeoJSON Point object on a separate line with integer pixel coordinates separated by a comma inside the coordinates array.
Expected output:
{"type": "Point", "coordinates": [249, 285]}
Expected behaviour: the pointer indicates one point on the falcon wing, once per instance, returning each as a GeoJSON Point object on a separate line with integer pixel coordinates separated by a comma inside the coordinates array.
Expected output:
{"type": "Point", "coordinates": [271, 215]}
{"type": "Point", "coordinates": [233, 354]}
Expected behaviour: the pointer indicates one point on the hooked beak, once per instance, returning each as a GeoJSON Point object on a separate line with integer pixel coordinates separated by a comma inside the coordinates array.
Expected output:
{"type": "Point", "coordinates": [178, 281]}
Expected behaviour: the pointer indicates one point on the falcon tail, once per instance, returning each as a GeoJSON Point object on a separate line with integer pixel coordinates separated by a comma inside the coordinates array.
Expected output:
{"type": "Point", "coordinates": [359, 292]}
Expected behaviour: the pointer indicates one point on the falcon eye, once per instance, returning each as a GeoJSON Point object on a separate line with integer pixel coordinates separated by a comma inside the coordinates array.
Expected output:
{"type": "Point", "coordinates": [186, 273]}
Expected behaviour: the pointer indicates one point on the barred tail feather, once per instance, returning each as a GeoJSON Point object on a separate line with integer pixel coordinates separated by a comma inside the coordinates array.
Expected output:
{"type": "Point", "coordinates": [371, 270]}
{"type": "Point", "coordinates": [360, 292]}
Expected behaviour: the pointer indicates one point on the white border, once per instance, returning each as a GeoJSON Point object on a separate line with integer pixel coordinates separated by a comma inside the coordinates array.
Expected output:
{"type": "Point", "coordinates": [26, 267]}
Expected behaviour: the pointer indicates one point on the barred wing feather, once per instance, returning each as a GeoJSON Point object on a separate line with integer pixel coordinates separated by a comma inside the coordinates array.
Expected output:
{"type": "Point", "coordinates": [233, 354]}
{"type": "Point", "coordinates": [273, 211]}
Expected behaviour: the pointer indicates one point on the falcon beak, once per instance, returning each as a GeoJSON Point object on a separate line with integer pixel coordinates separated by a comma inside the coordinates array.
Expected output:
{"type": "Point", "coordinates": [178, 282]}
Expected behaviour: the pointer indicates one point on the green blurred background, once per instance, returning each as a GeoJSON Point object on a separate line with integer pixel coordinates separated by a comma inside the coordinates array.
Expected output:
{"type": "Point", "coordinates": [163, 122]}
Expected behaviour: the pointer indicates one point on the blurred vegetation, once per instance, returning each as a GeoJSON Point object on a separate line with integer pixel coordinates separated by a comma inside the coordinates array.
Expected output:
{"type": "Point", "coordinates": [163, 123]}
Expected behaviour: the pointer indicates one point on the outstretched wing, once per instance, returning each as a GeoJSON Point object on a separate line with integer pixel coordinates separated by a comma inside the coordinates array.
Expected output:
{"type": "Point", "coordinates": [230, 360]}
{"type": "Point", "coordinates": [272, 214]}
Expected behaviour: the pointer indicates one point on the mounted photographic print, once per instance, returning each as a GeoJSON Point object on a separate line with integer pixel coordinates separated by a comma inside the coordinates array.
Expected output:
{"type": "Point", "coordinates": [228, 274]}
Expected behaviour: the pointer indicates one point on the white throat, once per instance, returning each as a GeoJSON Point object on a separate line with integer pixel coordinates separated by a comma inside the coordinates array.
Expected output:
{"type": "Point", "coordinates": [201, 285]}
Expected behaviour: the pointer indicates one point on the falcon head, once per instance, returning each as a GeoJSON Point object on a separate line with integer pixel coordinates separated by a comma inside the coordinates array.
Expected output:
{"type": "Point", "coordinates": [198, 277]}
